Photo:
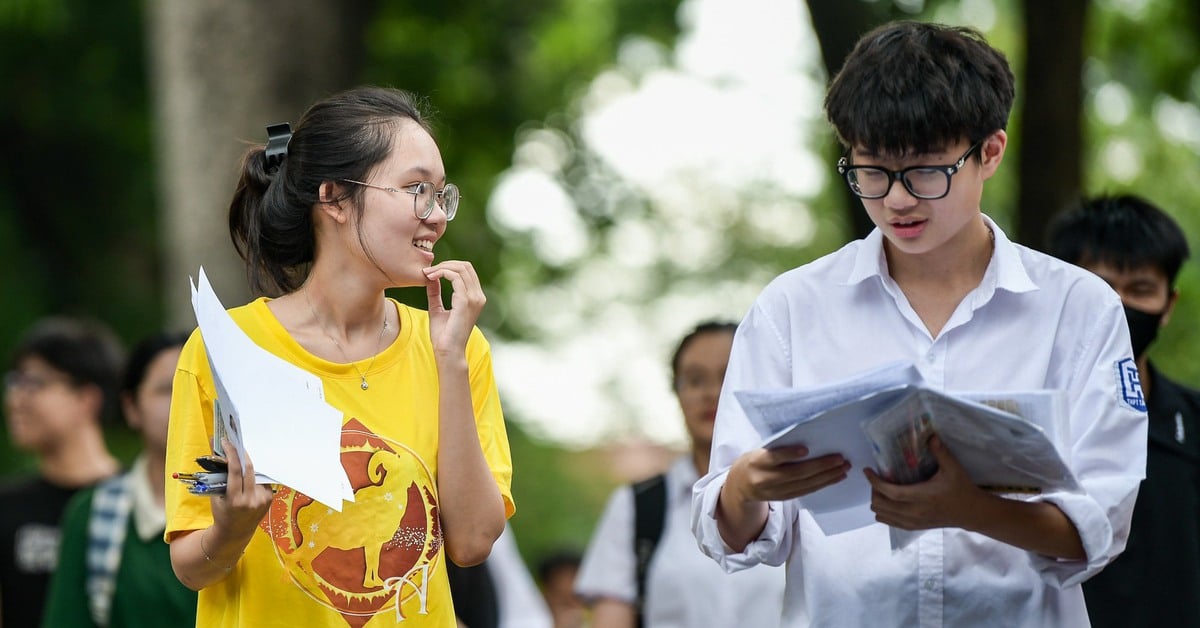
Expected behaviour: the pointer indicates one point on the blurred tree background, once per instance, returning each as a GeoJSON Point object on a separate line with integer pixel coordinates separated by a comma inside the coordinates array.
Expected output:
{"type": "Point", "coordinates": [123, 122]}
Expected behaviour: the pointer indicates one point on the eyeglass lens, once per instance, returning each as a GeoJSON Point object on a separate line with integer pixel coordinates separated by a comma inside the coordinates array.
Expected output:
{"type": "Point", "coordinates": [426, 198]}
{"type": "Point", "coordinates": [876, 182]}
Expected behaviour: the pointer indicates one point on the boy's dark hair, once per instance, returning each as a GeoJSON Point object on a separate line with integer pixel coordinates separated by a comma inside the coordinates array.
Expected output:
{"type": "Point", "coordinates": [701, 329]}
{"type": "Point", "coordinates": [143, 354]}
{"type": "Point", "coordinates": [914, 87]}
{"type": "Point", "coordinates": [567, 558]}
{"type": "Point", "coordinates": [85, 350]}
{"type": "Point", "coordinates": [1126, 232]}
{"type": "Point", "coordinates": [340, 137]}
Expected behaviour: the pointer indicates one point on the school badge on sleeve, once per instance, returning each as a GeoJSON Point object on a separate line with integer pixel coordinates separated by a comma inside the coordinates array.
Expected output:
{"type": "Point", "coordinates": [1129, 385]}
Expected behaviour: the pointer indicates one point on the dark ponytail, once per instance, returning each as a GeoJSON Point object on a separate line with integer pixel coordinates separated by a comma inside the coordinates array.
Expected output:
{"type": "Point", "coordinates": [270, 215]}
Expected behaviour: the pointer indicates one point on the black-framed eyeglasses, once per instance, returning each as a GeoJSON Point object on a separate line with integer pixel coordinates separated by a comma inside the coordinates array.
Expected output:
{"type": "Point", "coordinates": [924, 182]}
{"type": "Point", "coordinates": [425, 197]}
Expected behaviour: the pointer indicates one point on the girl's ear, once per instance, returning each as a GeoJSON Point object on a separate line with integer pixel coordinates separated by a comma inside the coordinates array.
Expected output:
{"type": "Point", "coordinates": [133, 415]}
{"type": "Point", "coordinates": [329, 197]}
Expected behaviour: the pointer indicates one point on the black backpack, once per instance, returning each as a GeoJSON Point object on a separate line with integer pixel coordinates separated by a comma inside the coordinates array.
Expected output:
{"type": "Point", "coordinates": [649, 516]}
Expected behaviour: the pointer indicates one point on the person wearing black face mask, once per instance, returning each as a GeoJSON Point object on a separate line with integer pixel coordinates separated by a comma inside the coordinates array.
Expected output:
{"type": "Point", "coordinates": [1138, 250]}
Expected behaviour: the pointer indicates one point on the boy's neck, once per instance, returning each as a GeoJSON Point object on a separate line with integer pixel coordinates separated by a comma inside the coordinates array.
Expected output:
{"type": "Point", "coordinates": [80, 461]}
{"type": "Point", "coordinates": [962, 260]}
{"type": "Point", "coordinates": [936, 282]}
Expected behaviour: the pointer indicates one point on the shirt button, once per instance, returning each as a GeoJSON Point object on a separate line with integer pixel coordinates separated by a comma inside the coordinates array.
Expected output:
{"type": "Point", "coordinates": [930, 584]}
{"type": "Point", "coordinates": [929, 357]}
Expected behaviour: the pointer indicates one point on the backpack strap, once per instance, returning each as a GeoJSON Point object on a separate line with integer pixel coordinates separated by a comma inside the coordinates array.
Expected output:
{"type": "Point", "coordinates": [107, 525]}
{"type": "Point", "coordinates": [649, 516]}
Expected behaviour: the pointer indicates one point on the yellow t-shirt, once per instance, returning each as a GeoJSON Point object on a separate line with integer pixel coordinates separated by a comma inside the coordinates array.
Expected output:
{"type": "Point", "coordinates": [308, 565]}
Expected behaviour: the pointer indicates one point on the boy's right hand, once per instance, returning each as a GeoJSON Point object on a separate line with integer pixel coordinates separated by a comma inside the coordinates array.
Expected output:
{"type": "Point", "coordinates": [780, 474]}
{"type": "Point", "coordinates": [762, 475]}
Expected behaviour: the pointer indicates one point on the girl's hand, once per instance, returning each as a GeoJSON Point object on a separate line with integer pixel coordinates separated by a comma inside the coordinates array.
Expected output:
{"type": "Point", "coordinates": [449, 329]}
{"type": "Point", "coordinates": [244, 503]}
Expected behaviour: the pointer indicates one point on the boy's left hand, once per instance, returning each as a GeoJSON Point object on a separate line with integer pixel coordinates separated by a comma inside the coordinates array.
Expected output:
{"type": "Point", "coordinates": [944, 500]}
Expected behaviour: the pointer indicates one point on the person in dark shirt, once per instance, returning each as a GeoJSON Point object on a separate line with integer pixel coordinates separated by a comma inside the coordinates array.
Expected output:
{"type": "Point", "coordinates": [1138, 249]}
{"type": "Point", "coordinates": [61, 383]}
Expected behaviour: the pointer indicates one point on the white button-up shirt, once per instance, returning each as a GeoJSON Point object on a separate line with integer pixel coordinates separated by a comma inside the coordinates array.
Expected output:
{"type": "Point", "coordinates": [684, 588]}
{"type": "Point", "coordinates": [1033, 323]}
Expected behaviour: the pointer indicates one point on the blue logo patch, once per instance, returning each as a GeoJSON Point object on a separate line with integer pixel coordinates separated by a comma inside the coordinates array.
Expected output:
{"type": "Point", "coordinates": [1131, 386]}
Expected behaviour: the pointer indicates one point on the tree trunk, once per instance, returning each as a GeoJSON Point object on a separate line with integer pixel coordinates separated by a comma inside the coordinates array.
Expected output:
{"type": "Point", "coordinates": [1051, 115]}
{"type": "Point", "coordinates": [838, 24]}
{"type": "Point", "coordinates": [220, 71]}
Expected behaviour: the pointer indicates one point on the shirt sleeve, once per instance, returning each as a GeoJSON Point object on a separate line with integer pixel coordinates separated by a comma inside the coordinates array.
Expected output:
{"type": "Point", "coordinates": [189, 435]}
{"type": "Point", "coordinates": [608, 568]}
{"type": "Point", "coordinates": [1106, 430]}
{"type": "Point", "coordinates": [760, 358]}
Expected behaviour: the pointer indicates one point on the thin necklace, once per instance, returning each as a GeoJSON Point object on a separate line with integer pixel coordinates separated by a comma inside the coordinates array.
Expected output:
{"type": "Point", "coordinates": [362, 375]}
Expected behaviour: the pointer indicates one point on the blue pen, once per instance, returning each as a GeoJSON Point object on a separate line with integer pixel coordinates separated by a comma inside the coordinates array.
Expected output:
{"type": "Point", "coordinates": [207, 489]}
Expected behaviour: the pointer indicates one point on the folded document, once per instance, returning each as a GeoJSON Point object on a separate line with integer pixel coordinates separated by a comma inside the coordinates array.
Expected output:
{"type": "Point", "coordinates": [884, 420]}
{"type": "Point", "coordinates": [271, 408]}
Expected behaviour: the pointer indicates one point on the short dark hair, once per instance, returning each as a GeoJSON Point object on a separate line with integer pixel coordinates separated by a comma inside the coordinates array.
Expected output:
{"type": "Point", "coordinates": [557, 560]}
{"type": "Point", "coordinates": [1124, 231]}
{"type": "Point", "coordinates": [707, 327]}
{"type": "Point", "coordinates": [914, 88]}
{"type": "Point", "coordinates": [143, 353]}
{"type": "Point", "coordinates": [340, 137]}
{"type": "Point", "coordinates": [86, 350]}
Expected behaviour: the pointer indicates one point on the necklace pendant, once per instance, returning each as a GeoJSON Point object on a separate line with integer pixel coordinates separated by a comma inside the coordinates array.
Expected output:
{"type": "Point", "coordinates": [364, 384]}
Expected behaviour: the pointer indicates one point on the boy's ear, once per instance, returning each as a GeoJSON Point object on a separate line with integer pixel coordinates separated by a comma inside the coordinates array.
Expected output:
{"type": "Point", "coordinates": [991, 152]}
{"type": "Point", "coordinates": [328, 199]}
{"type": "Point", "coordinates": [93, 398]}
{"type": "Point", "coordinates": [1171, 300]}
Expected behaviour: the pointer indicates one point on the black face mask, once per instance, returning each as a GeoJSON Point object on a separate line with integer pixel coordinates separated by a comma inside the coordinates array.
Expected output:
{"type": "Point", "coordinates": [1143, 328]}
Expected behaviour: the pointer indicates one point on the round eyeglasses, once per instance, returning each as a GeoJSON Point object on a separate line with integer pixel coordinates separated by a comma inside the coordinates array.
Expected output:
{"type": "Point", "coordinates": [425, 198]}
{"type": "Point", "coordinates": [924, 182]}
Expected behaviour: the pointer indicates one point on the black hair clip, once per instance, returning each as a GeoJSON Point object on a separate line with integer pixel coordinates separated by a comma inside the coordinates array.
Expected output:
{"type": "Point", "coordinates": [278, 136]}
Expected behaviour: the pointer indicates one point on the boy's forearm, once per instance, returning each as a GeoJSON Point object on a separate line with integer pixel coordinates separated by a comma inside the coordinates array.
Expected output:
{"type": "Point", "coordinates": [739, 520]}
{"type": "Point", "coordinates": [1039, 527]}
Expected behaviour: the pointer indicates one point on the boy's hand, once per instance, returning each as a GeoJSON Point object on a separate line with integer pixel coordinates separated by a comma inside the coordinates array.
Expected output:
{"type": "Point", "coordinates": [945, 500]}
{"type": "Point", "coordinates": [779, 474]}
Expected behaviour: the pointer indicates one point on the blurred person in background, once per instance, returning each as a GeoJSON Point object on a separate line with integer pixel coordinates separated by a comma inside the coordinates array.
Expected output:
{"type": "Point", "coordinates": [628, 577]}
{"type": "Point", "coordinates": [1138, 249]}
{"type": "Point", "coordinates": [556, 575]}
{"type": "Point", "coordinates": [61, 384]}
{"type": "Point", "coordinates": [499, 592]}
{"type": "Point", "coordinates": [114, 568]}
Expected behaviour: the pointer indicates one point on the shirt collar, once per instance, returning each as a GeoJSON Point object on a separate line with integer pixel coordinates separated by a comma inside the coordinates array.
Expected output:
{"type": "Point", "coordinates": [149, 518]}
{"type": "Point", "coordinates": [1005, 270]}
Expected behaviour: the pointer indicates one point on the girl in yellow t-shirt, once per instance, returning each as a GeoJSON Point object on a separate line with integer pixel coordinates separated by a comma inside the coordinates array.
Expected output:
{"type": "Point", "coordinates": [327, 218]}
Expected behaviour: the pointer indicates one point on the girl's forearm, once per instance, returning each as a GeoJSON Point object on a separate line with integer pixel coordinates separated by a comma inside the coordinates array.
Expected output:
{"type": "Point", "coordinates": [471, 507]}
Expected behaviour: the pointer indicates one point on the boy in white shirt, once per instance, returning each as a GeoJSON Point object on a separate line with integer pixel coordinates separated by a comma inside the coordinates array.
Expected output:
{"type": "Point", "coordinates": [922, 110]}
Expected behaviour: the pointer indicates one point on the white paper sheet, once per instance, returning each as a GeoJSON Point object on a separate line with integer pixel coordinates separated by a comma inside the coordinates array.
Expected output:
{"type": "Point", "coordinates": [865, 417]}
{"type": "Point", "coordinates": [272, 409]}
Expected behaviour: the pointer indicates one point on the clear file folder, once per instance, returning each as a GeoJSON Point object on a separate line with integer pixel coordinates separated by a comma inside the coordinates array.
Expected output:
{"type": "Point", "coordinates": [884, 419]}
{"type": "Point", "coordinates": [271, 408]}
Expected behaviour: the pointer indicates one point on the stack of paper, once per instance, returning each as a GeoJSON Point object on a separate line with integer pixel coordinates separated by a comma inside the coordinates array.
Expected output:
{"type": "Point", "coordinates": [884, 418]}
{"type": "Point", "coordinates": [271, 409]}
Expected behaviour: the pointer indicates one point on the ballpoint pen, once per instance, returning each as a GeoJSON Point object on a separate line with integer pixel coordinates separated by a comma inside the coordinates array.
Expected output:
{"type": "Point", "coordinates": [202, 477]}
{"type": "Point", "coordinates": [207, 489]}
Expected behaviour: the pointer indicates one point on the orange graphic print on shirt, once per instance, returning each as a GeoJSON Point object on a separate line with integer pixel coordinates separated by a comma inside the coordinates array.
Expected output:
{"type": "Point", "coordinates": [380, 551]}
